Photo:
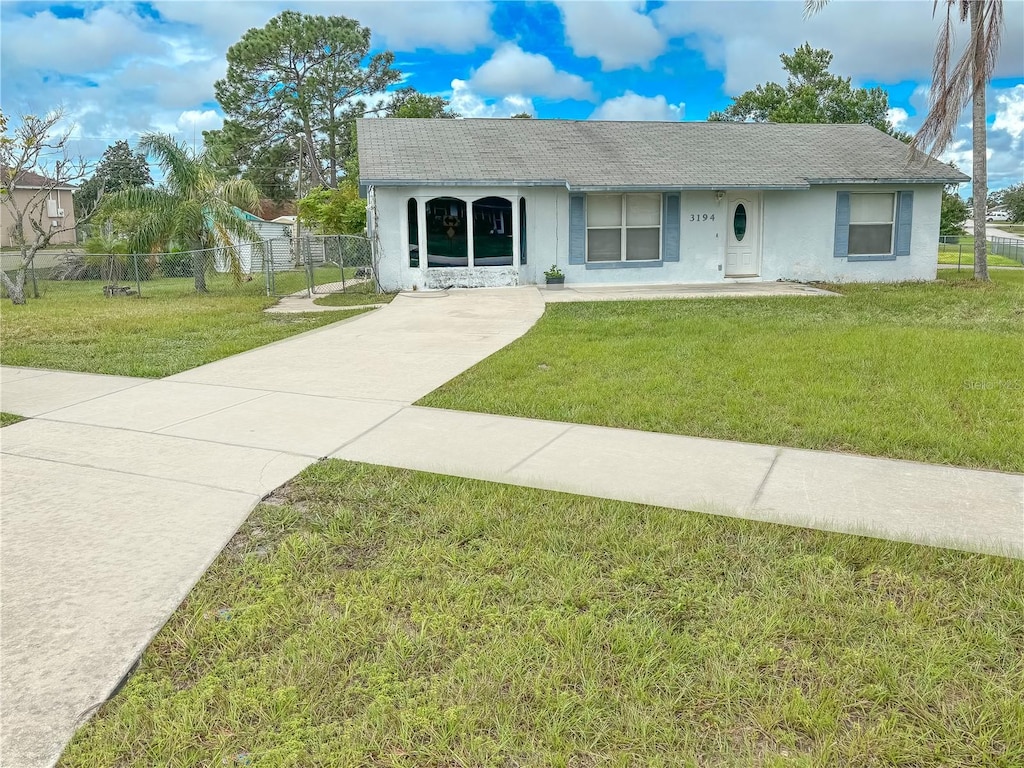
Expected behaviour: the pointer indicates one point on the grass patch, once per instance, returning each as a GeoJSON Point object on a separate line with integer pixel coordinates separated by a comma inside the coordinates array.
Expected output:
{"type": "Point", "coordinates": [949, 255]}
{"type": "Point", "coordinates": [6, 419]}
{"type": "Point", "coordinates": [374, 616]}
{"type": "Point", "coordinates": [167, 330]}
{"type": "Point", "coordinates": [1015, 229]}
{"type": "Point", "coordinates": [925, 371]}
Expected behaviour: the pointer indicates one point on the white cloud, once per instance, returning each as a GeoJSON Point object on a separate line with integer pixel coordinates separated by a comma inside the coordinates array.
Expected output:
{"type": "Point", "coordinates": [457, 27]}
{"type": "Point", "coordinates": [618, 34]}
{"type": "Point", "coordinates": [888, 41]}
{"type": "Point", "coordinates": [1010, 112]}
{"type": "Point", "coordinates": [511, 70]}
{"type": "Point", "coordinates": [444, 25]}
{"type": "Point", "coordinates": [194, 119]}
{"type": "Point", "coordinates": [631, 106]}
{"type": "Point", "coordinates": [897, 116]}
{"type": "Point", "coordinates": [468, 103]}
{"type": "Point", "coordinates": [77, 46]}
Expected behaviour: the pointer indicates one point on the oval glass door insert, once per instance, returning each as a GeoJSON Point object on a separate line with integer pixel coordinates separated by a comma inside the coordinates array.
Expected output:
{"type": "Point", "coordinates": [739, 222]}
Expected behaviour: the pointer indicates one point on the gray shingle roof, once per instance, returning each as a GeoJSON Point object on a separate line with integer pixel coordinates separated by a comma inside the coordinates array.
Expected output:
{"type": "Point", "coordinates": [594, 154]}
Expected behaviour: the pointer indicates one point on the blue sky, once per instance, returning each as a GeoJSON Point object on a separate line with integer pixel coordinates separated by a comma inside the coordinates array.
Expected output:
{"type": "Point", "coordinates": [121, 69]}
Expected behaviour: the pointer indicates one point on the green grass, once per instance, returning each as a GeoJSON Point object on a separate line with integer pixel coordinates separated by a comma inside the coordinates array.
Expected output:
{"type": "Point", "coordinates": [6, 419]}
{"type": "Point", "coordinates": [949, 255]}
{"type": "Point", "coordinates": [380, 617]}
{"type": "Point", "coordinates": [932, 372]}
{"type": "Point", "coordinates": [1016, 229]}
{"type": "Point", "coordinates": [167, 330]}
{"type": "Point", "coordinates": [964, 251]}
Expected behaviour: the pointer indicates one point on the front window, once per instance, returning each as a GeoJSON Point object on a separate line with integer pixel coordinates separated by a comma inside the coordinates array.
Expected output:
{"type": "Point", "coordinates": [492, 232]}
{"type": "Point", "coordinates": [414, 233]}
{"type": "Point", "coordinates": [871, 223]}
{"type": "Point", "coordinates": [624, 227]}
{"type": "Point", "coordinates": [447, 240]}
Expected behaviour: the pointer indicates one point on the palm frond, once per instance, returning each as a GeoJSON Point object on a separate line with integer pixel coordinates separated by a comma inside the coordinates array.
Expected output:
{"type": "Point", "coordinates": [182, 173]}
{"type": "Point", "coordinates": [241, 193]}
{"type": "Point", "coordinates": [951, 91]}
{"type": "Point", "coordinates": [156, 223]}
{"type": "Point", "coordinates": [811, 7]}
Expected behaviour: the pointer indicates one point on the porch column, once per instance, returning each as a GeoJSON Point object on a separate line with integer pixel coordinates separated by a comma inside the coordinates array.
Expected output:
{"type": "Point", "coordinates": [421, 209]}
{"type": "Point", "coordinates": [470, 250]}
{"type": "Point", "coordinates": [515, 230]}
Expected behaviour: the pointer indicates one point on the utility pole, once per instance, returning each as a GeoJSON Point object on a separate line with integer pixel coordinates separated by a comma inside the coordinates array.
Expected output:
{"type": "Point", "coordinates": [298, 196]}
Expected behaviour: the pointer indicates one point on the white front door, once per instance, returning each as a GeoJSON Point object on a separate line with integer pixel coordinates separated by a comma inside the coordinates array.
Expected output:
{"type": "Point", "coordinates": [743, 238]}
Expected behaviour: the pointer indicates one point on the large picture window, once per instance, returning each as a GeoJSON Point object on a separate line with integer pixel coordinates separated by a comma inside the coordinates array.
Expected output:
{"type": "Point", "coordinates": [624, 227]}
{"type": "Point", "coordinates": [871, 223]}
{"type": "Point", "coordinates": [447, 228]}
{"type": "Point", "coordinates": [492, 232]}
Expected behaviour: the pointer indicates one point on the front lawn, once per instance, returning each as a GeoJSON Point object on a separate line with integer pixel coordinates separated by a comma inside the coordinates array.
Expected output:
{"type": "Point", "coordinates": [931, 372]}
{"type": "Point", "coordinates": [377, 617]}
{"type": "Point", "coordinates": [167, 330]}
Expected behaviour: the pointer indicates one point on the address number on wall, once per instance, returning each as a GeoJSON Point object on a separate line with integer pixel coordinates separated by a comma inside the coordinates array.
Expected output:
{"type": "Point", "coordinates": [702, 217]}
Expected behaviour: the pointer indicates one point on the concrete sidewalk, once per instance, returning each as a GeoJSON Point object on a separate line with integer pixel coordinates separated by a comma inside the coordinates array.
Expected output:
{"type": "Point", "coordinates": [119, 492]}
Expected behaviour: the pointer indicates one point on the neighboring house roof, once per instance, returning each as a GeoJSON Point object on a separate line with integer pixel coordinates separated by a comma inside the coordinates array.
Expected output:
{"type": "Point", "coordinates": [270, 210]}
{"type": "Point", "coordinates": [245, 214]}
{"type": "Point", "coordinates": [585, 154]}
{"type": "Point", "coordinates": [30, 180]}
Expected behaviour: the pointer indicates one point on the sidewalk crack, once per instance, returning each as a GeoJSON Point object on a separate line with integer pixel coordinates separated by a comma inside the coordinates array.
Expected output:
{"type": "Point", "coordinates": [764, 480]}
{"type": "Point", "coordinates": [533, 453]}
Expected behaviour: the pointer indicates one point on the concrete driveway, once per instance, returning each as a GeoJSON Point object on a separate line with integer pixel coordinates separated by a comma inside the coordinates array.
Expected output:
{"type": "Point", "coordinates": [119, 492]}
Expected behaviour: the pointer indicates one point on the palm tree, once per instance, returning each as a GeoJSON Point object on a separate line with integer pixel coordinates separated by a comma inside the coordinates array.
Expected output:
{"type": "Point", "coordinates": [951, 91]}
{"type": "Point", "coordinates": [193, 210]}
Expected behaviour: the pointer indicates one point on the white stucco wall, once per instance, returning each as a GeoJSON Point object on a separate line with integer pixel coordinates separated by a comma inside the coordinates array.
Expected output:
{"type": "Point", "coordinates": [797, 232]}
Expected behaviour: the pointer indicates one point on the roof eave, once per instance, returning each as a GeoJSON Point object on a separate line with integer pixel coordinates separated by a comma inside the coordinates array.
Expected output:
{"type": "Point", "coordinates": [463, 183]}
{"type": "Point", "coordinates": [908, 180]}
{"type": "Point", "coordinates": [365, 183]}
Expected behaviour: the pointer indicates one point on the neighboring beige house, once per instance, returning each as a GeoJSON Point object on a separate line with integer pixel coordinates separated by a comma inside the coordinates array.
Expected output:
{"type": "Point", "coordinates": [56, 212]}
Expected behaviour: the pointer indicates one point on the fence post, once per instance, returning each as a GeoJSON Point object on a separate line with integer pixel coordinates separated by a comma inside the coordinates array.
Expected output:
{"type": "Point", "coordinates": [342, 247]}
{"type": "Point", "coordinates": [138, 282]}
{"type": "Point", "coordinates": [959, 253]}
{"type": "Point", "coordinates": [309, 266]}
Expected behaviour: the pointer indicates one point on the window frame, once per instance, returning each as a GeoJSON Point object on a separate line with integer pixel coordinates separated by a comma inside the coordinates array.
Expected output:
{"type": "Point", "coordinates": [623, 227]}
{"type": "Point", "coordinates": [891, 224]}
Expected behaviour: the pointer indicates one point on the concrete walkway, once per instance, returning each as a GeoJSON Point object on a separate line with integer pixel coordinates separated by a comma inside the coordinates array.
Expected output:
{"type": "Point", "coordinates": [631, 292]}
{"type": "Point", "coordinates": [119, 492]}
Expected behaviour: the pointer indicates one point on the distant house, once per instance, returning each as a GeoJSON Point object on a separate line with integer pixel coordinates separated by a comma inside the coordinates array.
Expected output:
{"type": "Point", "coordinates": [488, 202]}
{"type": "Point", "coordinates": [56, 210]}
{"type": "Point", "coordinates": [277, 246]}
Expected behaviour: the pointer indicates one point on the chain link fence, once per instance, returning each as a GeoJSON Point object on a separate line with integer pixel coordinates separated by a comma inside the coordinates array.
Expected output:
{"type": "Point", "coordinates": [308, 266]}
{"type": "Point", "coordinates": [959, 250]}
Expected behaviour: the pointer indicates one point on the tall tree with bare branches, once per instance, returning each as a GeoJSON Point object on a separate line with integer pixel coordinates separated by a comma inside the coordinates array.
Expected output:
{"type": "Point", "coordinates": [953, 87]}
{"type": "Point", "coordinates": [36, 162]}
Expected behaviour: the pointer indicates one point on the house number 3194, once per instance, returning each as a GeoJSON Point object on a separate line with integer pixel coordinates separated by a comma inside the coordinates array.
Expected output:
{"type": "Point", "coordinates": [702, 217]}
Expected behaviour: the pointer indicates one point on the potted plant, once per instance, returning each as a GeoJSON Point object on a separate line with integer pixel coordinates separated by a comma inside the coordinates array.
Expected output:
{"type": "Point", "coordinates": [555, 277]}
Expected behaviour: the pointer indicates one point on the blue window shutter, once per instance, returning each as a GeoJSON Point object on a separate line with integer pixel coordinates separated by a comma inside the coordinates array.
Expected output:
{"type": "Point", "coordinates": [842, 247]}
{"type": "Point", "coordinates": [670, 228]}
{"type": "Point", "coordinates": [577, 229]}
{"type": "Point", "coordinates": [904, 222]}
